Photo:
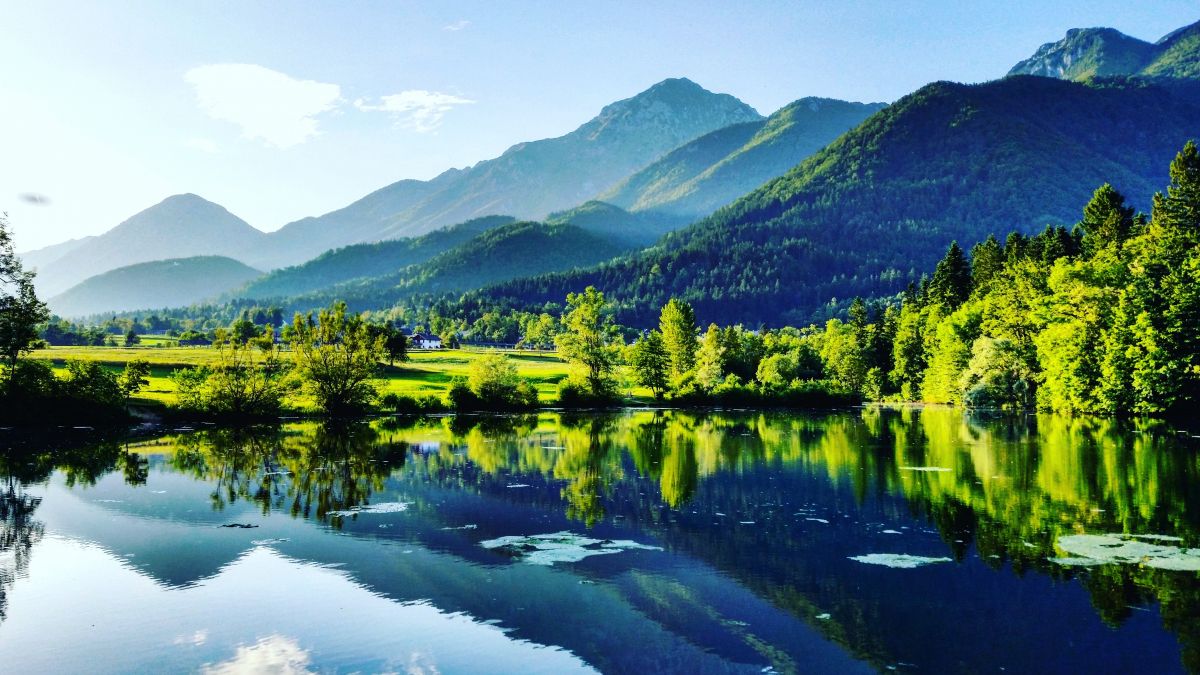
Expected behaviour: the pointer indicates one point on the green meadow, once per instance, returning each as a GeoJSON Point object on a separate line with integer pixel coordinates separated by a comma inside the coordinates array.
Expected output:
{"type": "Point", "coordinates": [426, 373]}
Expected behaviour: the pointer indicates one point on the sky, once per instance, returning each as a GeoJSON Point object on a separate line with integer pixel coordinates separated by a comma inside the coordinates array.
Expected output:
{"type": "Point", "coordinates": [281, 110]}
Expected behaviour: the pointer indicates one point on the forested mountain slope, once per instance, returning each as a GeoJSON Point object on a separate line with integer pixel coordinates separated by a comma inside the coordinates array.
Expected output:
{"type": "Point", "coordinates": [866, 215]}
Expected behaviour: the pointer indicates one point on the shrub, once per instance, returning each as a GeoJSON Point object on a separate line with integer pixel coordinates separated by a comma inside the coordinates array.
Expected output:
{"type": "Point", "coordinates": [400, 404]}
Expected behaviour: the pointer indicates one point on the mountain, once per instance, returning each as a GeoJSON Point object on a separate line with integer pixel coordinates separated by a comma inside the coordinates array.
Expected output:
{"type": "Point", "coordinates": [498, 254]}
{"type": "Point", "coordinates": [1101, 52]}
{"type": "Point", "coordinates": [181, 226]}
{"type": "Point", "coordinates": [529, 180]}
{"type": "Point", "coordinates": [39, 258]}
{"type": "Point", "coordinates": [364, 260]}
{"type": "Point", "coordinates": [701, 176]}
{"type": "Point", "coordinates": [153, 285]}
{"type": "Point", "coordinates": [876, 208]}
{"type": "Point", "coordinates": [634, 230]}
{"type": "Point", "coordinates": [361, 221]}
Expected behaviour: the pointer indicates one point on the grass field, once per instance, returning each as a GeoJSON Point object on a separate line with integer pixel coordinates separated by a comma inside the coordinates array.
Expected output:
{"type": "Point", "coordinates": [427, 373]}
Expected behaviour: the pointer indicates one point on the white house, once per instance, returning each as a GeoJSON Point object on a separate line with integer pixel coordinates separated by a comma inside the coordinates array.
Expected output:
{"type": "Point", "coordinates": [423, 341]}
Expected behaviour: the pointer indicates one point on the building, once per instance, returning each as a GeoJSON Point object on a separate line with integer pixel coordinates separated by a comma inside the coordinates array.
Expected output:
{"type": "Point", "coordinates": [423, 341]}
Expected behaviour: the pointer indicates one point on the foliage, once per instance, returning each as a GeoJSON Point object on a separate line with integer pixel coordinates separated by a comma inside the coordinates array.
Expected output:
{"type": "Point", "coordinates": [335, 355]}
{"type": "Point", "coordinates": [589, 341]}
{"type": "Point", "coordinates": [492, 383]}
{"type": "Point", "coordinates": [650, 363]}
{"type": "Point", "coordinates": [20, 309]}
{"type": "Point", "coordinates": [246, 382]}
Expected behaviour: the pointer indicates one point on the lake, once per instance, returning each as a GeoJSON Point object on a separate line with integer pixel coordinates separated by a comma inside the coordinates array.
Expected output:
{"type": "Point", "coordinates": [895, 540]}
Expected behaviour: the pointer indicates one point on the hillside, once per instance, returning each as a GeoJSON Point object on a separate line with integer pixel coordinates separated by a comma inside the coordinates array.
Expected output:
{"type": "Point", "coordinates": [529, 180]}
{"type": "Point", "coordinates": [498, 254]}
{"type": "Point", "coordinates": [153, 285]}
{"type": "Point", "coordinates": [181, 226]}
{"type": "Point", "coordinates": [872, 211]}
{"type": "Point", "coordinates": [634, 230]}
{"type": "Point", "coordinates": [1099, 52]}
{"type": "Point", "coordinates": [364, 260]}
{"type": "Point", "coordinates": [714, 170]}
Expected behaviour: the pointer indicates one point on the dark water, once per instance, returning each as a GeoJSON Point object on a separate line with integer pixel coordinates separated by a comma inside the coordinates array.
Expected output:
{"type": "Point", "coordinates": [682, 543]}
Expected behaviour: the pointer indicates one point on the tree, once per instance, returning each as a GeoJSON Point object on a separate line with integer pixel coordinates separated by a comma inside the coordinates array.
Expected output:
{"type": "Point", "coordinates": [709, 357]}
{"type": "Point", "coordinates": [677, 322]}
{"type": "Point", "coordinates": [951, 282]}
{"type": "Point", "coordinates": [987, 262]}
{"type": "Point", "coordinates": [335, 356]}
{"type": "Point", "coordinates": [492, 383]}
{"type": "Point", "coordinates": [395, 344]}
{"type": "Point", "coordinates": [131, 338]}
{"type": "Point", "coordinates": [650, 362]}
{"type": "Point", "coordinates": [20, 309]}
{"type": "Point", "coordinates": [1106, 219]}
{"type": "Point", "coordinates": [587, 340]}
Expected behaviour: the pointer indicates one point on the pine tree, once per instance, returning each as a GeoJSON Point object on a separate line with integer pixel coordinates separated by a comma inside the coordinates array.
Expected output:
{"type": "Point", "coordinates": [677, 322]}
{"type": "Point", "coordinates": [987, 262]}
{"type": "Point", "coordinates": [650, 362]}
{"type": "Point", "coordinates": [1106, 219]}
{"type": "Point", "coordinates": [951, 282]}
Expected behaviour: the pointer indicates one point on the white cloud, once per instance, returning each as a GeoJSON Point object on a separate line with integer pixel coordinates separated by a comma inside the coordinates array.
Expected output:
{"type": "Point", "coordinates": [266, 104]}
{"type": "Point", "coordinates": [272, 654]}
{"type": "Point", "coordinates": [201, 144]}
{"type": "Point", "coordinates": [457, 25]}
{"type": "Point", "coordinates": [416, 109]}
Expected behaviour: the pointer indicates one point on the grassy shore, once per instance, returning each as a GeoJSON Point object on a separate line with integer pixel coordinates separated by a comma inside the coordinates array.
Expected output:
{"type": "Point", "coordinates": [427, 373]}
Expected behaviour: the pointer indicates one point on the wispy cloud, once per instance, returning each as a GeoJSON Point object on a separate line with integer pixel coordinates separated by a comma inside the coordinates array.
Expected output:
{"type": "Point", "coordinates": [268, 105]}
{"type": "Point", "coordinates": [457, 25]}
{"type": "Point", "coordinates": [416, 109]}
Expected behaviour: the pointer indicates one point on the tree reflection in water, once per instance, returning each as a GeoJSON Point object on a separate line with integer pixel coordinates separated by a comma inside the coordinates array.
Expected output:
{"type": "Point", "coordinates": [1007, 487]}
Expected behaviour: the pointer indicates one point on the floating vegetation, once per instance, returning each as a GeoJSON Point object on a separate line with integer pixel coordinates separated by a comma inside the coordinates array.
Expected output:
{"type": "Point", "coordinates": [547, 549]}
{"type": "Point", "coordinates": [269, 542]}
{"type": "Point", "coordinates": [1088, 550]}
{"type": "Point", "coordinates": [901, 561]}
{"type": "Point", "coordinates": [462, 527]}
{"type": "Point", "coordinates": [386, 507]}
{"type": "Point", "coordinates": [818, 520]}
{"type": "Point", "coordinates": [923, 468]}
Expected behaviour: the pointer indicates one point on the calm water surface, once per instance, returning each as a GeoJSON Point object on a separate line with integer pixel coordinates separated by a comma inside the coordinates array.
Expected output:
{"type": "Point", "coordinates": [873, 540]}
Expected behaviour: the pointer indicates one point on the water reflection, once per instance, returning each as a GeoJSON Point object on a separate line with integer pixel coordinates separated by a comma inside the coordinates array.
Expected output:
{"type": "Point", "coordinates": [774, 504]}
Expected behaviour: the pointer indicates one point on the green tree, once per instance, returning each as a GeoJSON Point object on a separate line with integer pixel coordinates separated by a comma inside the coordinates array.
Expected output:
{"type": "Point", "coordinates": [677, 322]}
{"type": "Point", "coordinates": [1106, 219]}
{"type": "Point", "coordinates": [20, 310]}
{"type": "Point", "coordinates": [709, 357]}
{"type": "Point", "coordinates": [588, 340]}
{"type": "Point", "coordinates": [650, 362]}
{"type": "Point", "coordinates": [335, 356]}
{"type": "Point", "coordinates": [987, 263]}
{"type": "Point", "coordinates": [950, 285]}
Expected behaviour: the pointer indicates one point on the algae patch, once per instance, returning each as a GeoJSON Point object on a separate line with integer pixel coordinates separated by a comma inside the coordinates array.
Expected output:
{"type": "Point", "coordinates": [901, 561]}
{"type": "Point", "coordinates": [1086, 550]}
{"type": "Point", "coordinates": [547, 549]}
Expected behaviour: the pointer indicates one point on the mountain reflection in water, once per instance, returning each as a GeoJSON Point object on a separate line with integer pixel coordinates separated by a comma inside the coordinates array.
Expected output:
{"type": "Point", "coordinates": [634, 541]}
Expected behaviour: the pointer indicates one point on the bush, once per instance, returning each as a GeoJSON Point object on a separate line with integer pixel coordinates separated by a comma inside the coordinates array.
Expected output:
{"type": "Point", "coordinates": [492, 383]}
{"type": "Point", "coordinates": [400, 404]}
{"type": "Point", "coordinates": [30, 393]}
{"type": "Point", "coordinates": [575, 394]}
{"type": "Point", "coordinates": [245, 384]}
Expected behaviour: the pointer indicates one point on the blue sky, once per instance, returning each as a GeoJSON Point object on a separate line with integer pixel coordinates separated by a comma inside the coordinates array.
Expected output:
{"type": "Point", "coordinates": [279, 110]}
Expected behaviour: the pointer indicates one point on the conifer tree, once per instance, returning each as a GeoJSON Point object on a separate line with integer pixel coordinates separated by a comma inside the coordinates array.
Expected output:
{"type": "Point", "coordinates": [951, 282]}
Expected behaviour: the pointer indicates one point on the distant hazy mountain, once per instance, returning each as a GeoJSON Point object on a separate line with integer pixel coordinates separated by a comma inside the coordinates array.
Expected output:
{"type": "Point", "coordinates": [178, 227]}
{"type": "Point", "coordinates": [153, 285]}
{"type": "Point", "coordinates": [497, 254]}
{"type": "Point", "coordinates": [877, 208]}
{"type": "Point", "coordinates": [1099, 52]}
{"type": "Point", "coordinates": [39, 258]}
{"type": "Point", "coordinates": [530, 180]}
{"type": "Point", "coordinates": [364, 260]}
{"type": "Point", "coordinates": [613, 222]}
{"type": "Point", "coordinates": [698, 178]}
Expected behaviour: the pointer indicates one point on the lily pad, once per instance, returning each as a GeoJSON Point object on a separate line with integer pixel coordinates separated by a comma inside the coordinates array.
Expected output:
{"type": "Point", "coordinates": [386, 507]}
{"type": "Point", "coordinates": [901, 561]}
{"type": "Point", "coordinates": [1127, 549]}
{"type": "Point", "coordinates": [547, 549]}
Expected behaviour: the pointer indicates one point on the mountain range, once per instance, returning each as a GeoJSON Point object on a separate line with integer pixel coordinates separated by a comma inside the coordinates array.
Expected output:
{"type": "Point", "coordinates": [157, 284]}
{"type": "Point", "coordinates": [791, 214]}
{"type": "Point", "coordinates": [1099, 52]}
{"type": "Point", "coordinates": [875, 209]}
